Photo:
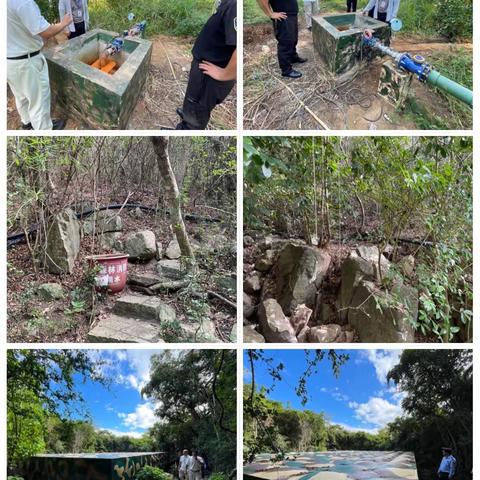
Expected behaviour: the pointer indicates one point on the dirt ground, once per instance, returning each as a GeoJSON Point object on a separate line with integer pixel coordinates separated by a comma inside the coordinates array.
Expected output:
{"type": "Point", "coordinates": [162, 95]}
{"type": "Point", "coordinates": [318, 100]}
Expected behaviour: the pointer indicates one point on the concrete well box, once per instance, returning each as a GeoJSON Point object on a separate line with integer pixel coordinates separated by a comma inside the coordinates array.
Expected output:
{"type": "Point", "coordinates": [99, 100]}
{"type": "Point", "coordinates": [338, 38]}
{"type": "Point", "coordinates": [90, 466]}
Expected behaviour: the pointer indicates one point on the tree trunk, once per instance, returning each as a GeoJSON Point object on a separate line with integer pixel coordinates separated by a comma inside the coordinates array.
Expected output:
{"type": "Point", "coordinates": [160, 145]}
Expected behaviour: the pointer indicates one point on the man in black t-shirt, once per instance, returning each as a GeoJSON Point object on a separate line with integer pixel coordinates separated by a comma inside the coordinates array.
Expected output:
{"type": "Point", "coordinates": [284, 15]}
{"type": "Point", "coordinates": [214, 67]}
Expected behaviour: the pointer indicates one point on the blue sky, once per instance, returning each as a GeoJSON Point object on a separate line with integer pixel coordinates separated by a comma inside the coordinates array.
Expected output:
{"type": "Point", "coordinates": [120, 407]}
{"type": "Point", "coordinates": [359, 399]}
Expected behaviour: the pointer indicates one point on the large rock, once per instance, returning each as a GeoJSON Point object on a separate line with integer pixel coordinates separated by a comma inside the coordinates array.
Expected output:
{"type": "Point", "coordinates": [63, 242]}
{"type": "Point", "coordinates": [248, 306]}
{"type": "Point", "coordinates": [274, 325]}
{"type": "Point", "coordinates": [354, 269]}
{"type": "Point", "coordinates": [250, 335]}
{"type": "Point", "coordinates": [141, 245]}
{"type": "Point", "coordinates": [381, 317]}
{"type": "Point", "coordinates": [111, 240]}
{"type": "Point", "coordinates": [324, 333]}
{"type": "Point", "coordinates": [300, 318]}
{"type": "Point", "coordinates": [171, 269]}
{"type": "Point", "coordinates": [203, 331]}
{"type": "Point", "coordinates": [103, 222]}
{"type": "Point", "coordinates": [252, 283]}
{"type": "Point", "coordinates": [173, 250]}
{"type": "Point", "coordinates": [370, 253]}
{"type": "Point", "coordinates": [265, 263]}
{"type": "Point", "coordinates": [50, 292]}
{"type": "Point", "coordinates": [300, 270]}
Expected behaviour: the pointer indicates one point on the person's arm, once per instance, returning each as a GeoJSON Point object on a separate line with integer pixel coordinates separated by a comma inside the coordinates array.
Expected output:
{"type": "Point", "coordinates": [369, 6]}
{"type": "Point", "coordinates": [55, 29]}
{"type": "Point", "coordinates": [219, 73]}
{"type": "Point", "coordinates": [267, 10]}
{"type": "Point", "coordinates": [61, 13]}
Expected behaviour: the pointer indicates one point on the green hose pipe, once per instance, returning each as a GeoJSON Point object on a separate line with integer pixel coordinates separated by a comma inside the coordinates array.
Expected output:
{"type": "Point", "coordinates": [453, 88]}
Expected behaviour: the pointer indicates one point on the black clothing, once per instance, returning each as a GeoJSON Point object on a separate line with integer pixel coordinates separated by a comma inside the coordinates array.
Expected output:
{"type": "Point", "coordinates": [218, 39]}
{"type": "Point", "coordinates": [382, 17]}
{"type": "Point", "coordinates": [79, 30]}
{"type": "Point", "coordinates": [371, 12]}
{"type": "Point", "coordinates": [287, 6]}
{"type": "Point", "coordinates": [286, 33]}
{"type": "Point", "coordinates": [202, 95]}
{"type": "Point", "coordinates": [443, 475]}
{"type": "Point", "coordinates": [351, 6]}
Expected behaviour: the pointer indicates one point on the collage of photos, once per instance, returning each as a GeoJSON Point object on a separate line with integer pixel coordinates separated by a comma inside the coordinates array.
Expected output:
{"type": "Point", "coordinates": [230, 175]}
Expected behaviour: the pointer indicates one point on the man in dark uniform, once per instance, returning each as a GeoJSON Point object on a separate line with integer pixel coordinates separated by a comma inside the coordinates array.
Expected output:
{"type": "Point", "coordinates": [214, 67]}
{"type": "Point", "coordinates": [284, 15]}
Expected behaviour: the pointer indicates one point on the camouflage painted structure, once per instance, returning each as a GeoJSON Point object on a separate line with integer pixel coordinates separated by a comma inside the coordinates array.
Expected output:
{"type": "Point", "coordinates": [90, 466]}
{"type": "Point", "coordinates": [334, 465]}
{"type": "Point", "coordinates": [95, 98]}
{"type": "Point", "coordinates": [394, 84]}
{"type": "Point", "coordinates": [338, 38]}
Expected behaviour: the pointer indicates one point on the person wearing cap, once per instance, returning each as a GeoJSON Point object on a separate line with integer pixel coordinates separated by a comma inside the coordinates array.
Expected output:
{"type": "Point", "coordinates": [183, 463]}
{"type": "Point", "coordinates": [284, 15]}
{"type": "Point", "coordinates": [78, 9]}
{"type": "Point", "coordinates": [214, 67]}
{"type": "Point", "coordinates": [27, 69]}
{"type": "Point", "coordinates": [311, 8]}
{"type": "Point", "coordinates": [448, 464]}
{"type": "Point", "coordinates": [383, 10]}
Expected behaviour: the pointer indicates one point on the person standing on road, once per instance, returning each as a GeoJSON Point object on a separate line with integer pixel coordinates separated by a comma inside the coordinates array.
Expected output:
{"type": "Point", "coordinates": [351, 6]}
{"type": "Point", "coordinates": [27, 69]}
{"type": "Point", "coordinates": [284, 15]}
{"type": "Point", "coordinates": [183, 463]}
{"type": "Point", "coordinates": [78, 9]}
{"type": "Point", "coordinates": [195, 466]}
{"type": "Point", "coordinates": [383, 10]}
{"type": "Point", "coordinates": [214, 68]}
{"type": "Point", "coordinates": [311, 7]}
{"type": "Point", "coordinates": [448, 465]}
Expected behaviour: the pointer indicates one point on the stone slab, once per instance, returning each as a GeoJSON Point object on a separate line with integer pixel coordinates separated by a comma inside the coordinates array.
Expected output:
{"type": "Point", "coordinates": [117, 329]}
{"type": "Point", "coordinates": [138, 306]}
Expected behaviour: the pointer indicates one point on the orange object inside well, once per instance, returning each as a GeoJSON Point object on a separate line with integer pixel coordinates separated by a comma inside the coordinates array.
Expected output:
{"type": "Point", "coordinates": [109, 67]}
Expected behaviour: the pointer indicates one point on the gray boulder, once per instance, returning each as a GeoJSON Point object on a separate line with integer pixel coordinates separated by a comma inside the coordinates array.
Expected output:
{"type": "Point", "coordinates": [300, 270]}
{"type": "Point", "coordinates": [300, 318]}
{"type": "Point", "coordinates": [407, 265]}
{"type": "Point", "coordinates": [248, 306]}
{"type": "Point", "coordinates": [111, 240]}
{"type": "Point", "coordinates": [370, 253]}
{"type": "Point", "coordinates": [103, 221]}
{"type": "Point", "coordinates": [141, 246]}
{"type": "Point", "coordinates": [324, 333]}
{"type": "Point", "coordinates": [274, 325]}
{"type": "Point", "coordinates": [173, 250]}
{"type": "Point", "coordinates": [63, 242]}
{"type": "Point", "coordinates": [382, 317]}
{"type": "Point", "coordinates": [252, 283]}
{"type": "Point", "coordinates": [250, 335]}
{"type": "Point", "coordinates": [265, 263]}
{"type": "Point", "coordinates": [354, 269]}
{"type": "Point", "coordinates": [50, 292]}
{"type": "Point", "coordinates": [171, 269]}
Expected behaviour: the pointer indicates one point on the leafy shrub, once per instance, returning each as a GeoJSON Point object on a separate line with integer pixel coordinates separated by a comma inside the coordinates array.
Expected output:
{"type": "Point", "coordinates": [14, 478]}
{"type": "Point", "coordinates": [152, 473]}
{"type": "Point", "coordinates": [453, 18]}
{"type": "Point", "coordinates": [218, 476]}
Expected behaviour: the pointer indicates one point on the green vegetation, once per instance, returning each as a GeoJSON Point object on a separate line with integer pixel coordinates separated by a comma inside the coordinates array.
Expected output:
{"type": "Point", "coordinates": [449, 18]}
{"type": "Point", "coordinates": [152, 473]}
{"type": "Point", "coordinates": [195, 391]}
{"type": "Point", "coordinates": [182, 17]}
{"type": "Point", "coordinates": [381, 190]}
{"type": "Point", "coordinates": [438, 404]}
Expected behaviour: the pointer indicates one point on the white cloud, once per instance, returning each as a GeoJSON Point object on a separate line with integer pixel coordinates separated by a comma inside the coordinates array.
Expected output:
{"type": "Point", "coordinates": [377, 411]}
{"type": "Point", "coordinates": [356, 429]}
{"type": "Point", "coordinates": [143, 416]}
{"type": "Point", "coordinates": [120, 433]}
{"type": "Point", "coordinates": [383, 361]}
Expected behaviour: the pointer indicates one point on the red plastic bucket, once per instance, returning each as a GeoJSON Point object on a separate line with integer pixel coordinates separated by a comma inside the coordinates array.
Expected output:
{"type": "Point", "coordinates": [113, 273]}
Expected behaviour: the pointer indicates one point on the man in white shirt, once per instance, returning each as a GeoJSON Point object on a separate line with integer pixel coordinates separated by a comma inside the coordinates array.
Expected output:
{"type": "Point", "coordinates": [311, 8]}
{"type": "Point", "coordinates": [195, 466]}
{"type": "Point", "coordinates": [27, 69]}
{"type": "Point", "coordinates": [183, 463]}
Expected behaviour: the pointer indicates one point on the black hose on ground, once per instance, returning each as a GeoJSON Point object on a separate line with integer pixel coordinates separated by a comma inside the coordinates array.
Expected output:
{"type": "Point", "coordinates": [21, 237]}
